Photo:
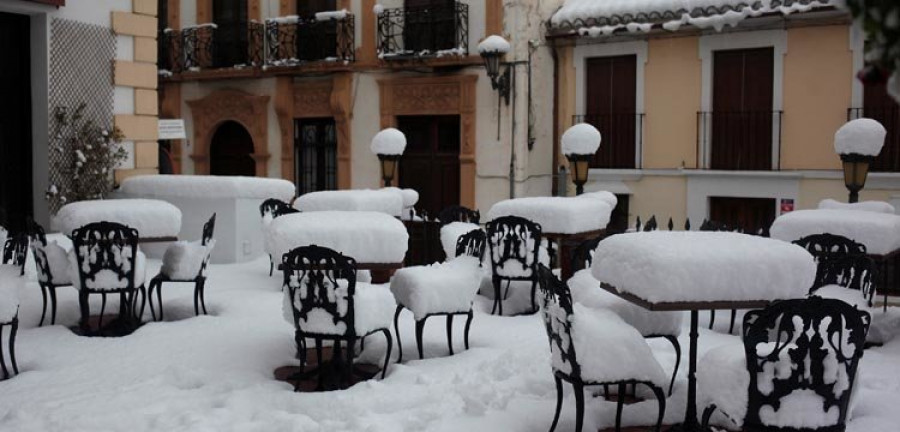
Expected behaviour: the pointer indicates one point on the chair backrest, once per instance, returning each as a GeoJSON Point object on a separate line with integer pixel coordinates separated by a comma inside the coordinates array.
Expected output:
{"type": "Point", "coordinates": [806, 350]}
{"type": "Point", "coordinates": [556, 310]}
{"type": "Point", "coordinates": [515, 244]}
{"type": "Point", "coordinates": [459, 214]}
{"type": "Point", "coordinates": [15, 250]}
{"type": "Point", "coordinates": [583, 255]}
{"type": "Point", "coordinates": [36, 232]}
{"type": "Point", "coordinates": [321, 280]}
{"type": "Point", "coordinates": [209, 228]}
{"type": "Point", "coordinates": [854, 271]}
{"type": "Point", "coordinates": [275, 207]}
{"type": "Point", "coordinates": [829, 246]}
{"type": "Point", "coordinates": [106, 255]}
{"type": "Point", "coordinates": [472, 244]}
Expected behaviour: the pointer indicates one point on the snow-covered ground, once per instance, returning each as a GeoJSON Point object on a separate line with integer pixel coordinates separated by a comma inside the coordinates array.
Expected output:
{"type": "Point", "coordinates": [215, 373]}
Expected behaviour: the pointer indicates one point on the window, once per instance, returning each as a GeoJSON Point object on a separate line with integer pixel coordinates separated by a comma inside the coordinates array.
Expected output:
{"type": "Point", "coordinates": [430, 25]}
{"type": "Point", "coordinates": [752, 215]}
{"type": "Point", "coordinates": [879, 105]}
{"type": "Point", "coordinates": [315, 155]}
{"type": "Point", "coordinates": [232, 37]}
{"type": "Point", "coordinates": [318, 40]}
{"type": "Point", "coordinates": [610, 106]}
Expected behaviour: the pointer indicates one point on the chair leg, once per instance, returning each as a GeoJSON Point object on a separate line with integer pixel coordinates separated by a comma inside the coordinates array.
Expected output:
{"type": "Point", "coordinates": [450, 333]}
{"type": "Point", "coordinates": [85, 310]}
{"type": "Point", "coordinates": [12, 346]}
{"type": "Point", "coordinates": [661, 400]}
{"type": "Point", "coordinates": [397, 331]}
{"type": "Point", "coordinates": [674, 341]}
{"type": "Point", "coordinates": [496, 283]}
{"type": "Point", "coordinates": [733, 317]}
{"type": "Point", "coordinates": [559, 400]}
{"type": "Point", "coordinates": [349, 366]}
{"type": "Point", "coordinates": [534, 307]}
{"type": "Point", "coordinates": [579, 406]}
{"type": "Point", "coordinates": [52, 290]}
{"type": "Point", "coordinates": [196, 301]}
{"type": "Point", "coordinates": [387, 356]}
{"type": "Point", "coordinates": [102, 309]}
{"type": "Point", "coordinates": [2, 360]}
{"type": "Point", "coordinates": [150, 298]}
{"type": "Point", "coordinates": [712, 318]}
{"type": "Point", "coordinates": [420, 328]}
{"type": "Point", "coordinates": [318, 352]}
{"type": "Point", "coordinates": [271, 266]}
{"type": "Point", "coordinates": [143, 293]}
{"type": "Point", "coordinates": [707, 414]}
{"type": "Point", "coordinates": [44, 300]}
{"type": "Point", "coordinates": [469, 317]}
{"type": "Point", "coordinates": [203, 296]}
{"type": "Point", "coordinates": [620, 403]}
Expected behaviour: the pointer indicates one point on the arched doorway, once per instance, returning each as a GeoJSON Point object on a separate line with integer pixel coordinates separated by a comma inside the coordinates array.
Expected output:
{"type": "Point", "coordinates": [230, 151]}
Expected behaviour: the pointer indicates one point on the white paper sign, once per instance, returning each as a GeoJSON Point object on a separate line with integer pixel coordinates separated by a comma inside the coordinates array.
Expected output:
{"type": "Point", "coordinates": [171, 129]}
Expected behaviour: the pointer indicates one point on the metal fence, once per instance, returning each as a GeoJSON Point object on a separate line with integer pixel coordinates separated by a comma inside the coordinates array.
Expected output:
{"type": "Point", "coordinates": [297, 41]}
{"type": "Point", "coordinates": [424, 31]}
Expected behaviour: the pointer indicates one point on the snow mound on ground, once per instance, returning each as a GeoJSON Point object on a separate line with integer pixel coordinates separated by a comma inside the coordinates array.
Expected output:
{"type": "Point", "coordinates": [152, 218]}
{"type": "Point", "coordinates": [862, 136]}
{"type": "Point", "coordinates": [10, 284]}
{"type": "Point", "coordinates": [872, 206]}
{"type": "Point", "coordinates": [451, 233]}
{"type": "Point", "coordinates": [389, 141]}
{"type": "Point", "coordinates": [558, 215]}
{"type": "Point", "coordinates": [880, 232]}
{"type": "Point", "coordinates": [208, 186]}
{"type": "Point", "coordinates": [494, 44]}
{"type": "Point", "coordinates": [388, 201]}
{"type": "Point", "coordinates": [678, 266]}
{"type": "Point", "coordinates": [440, 287]}
{"type": "Point", "coordinates": [581, 139]}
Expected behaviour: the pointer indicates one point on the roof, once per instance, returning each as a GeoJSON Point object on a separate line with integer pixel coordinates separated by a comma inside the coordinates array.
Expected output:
{"type": "Point", "coordinates": [603, 17]}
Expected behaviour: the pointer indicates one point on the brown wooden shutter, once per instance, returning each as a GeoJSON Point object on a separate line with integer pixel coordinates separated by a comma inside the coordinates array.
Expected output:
{"type": "Point", "coordinates": [611, 87]}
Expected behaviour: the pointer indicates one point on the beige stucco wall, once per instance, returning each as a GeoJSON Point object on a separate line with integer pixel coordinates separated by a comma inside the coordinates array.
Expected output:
{"type": "Point", "coordinates": [814, 190]}
{"type": "Point", "coordinates": [818, 79]}
{"type": "Point", "coordinates": [672, 100]}
{"type": "Point", "coordinates": [662, 196]}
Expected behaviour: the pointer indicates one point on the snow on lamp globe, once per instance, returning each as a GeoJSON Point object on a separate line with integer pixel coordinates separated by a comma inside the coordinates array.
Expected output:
{"type": "Point", "coordinates": [388, 145]}
{"type": "Point", "coordinates": [579, 143]}
{"type": "Point", "coordinates": [858, 142]}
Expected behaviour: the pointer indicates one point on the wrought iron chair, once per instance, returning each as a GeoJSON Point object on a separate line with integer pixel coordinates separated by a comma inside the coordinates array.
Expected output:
{"type": "Point", "coordinates": [586, 290]}
{"type": "Point", "coordinates": [802, 352]}
{"type": "Point", "coordinates": [459, 214]}
{"type": "Point", "coordinates": [270, 209]}
{"type": "Point", "coordinates": [52, 264]}
{"type": "Point", "coordinates": [109, 262]}
{"type": "Point", "coordinates": [856, 272]}
{"type": "Point", "coordinates": [15, 251]}
{"type": "Point", "coordinates": [192, 269]}
{"type": "Point", "coordinates": [321, 292]}
{"type": "Point", "coordinates": [9, 317]}
{"type": "Point", "coordinates": [415, 280]}
{"type": "Point", "coordinates": [514, 244]}
{"type": "Point", "coordinates": [561, 319]}
{"type": "Point", "coordinates": [826, 248]}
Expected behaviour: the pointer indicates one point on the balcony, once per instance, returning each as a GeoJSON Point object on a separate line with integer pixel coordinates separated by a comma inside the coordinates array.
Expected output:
{"type": "Point", "coordinates": [739, 140]}
{"type": "Point", "coordinates": [423, 32]}
{"type": "Point", "coordinates": [208, 46]}
{"type": "Point", "coordinates": [623, 139]}
{"type": "Point", "coordinates": [329, 36]}
{"type": "Point", "coordinates": [889, 116]}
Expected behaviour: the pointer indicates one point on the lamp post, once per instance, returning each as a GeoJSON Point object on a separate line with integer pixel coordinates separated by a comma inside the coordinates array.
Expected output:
{"type": "Point", "coordinates": [857, 143]}
{"type": "Point", "coordinates": [579, 143]}
{"type": "Point", "coordinates": [388, 145]}
{"type": "Point", "coordinates": [492, 49]}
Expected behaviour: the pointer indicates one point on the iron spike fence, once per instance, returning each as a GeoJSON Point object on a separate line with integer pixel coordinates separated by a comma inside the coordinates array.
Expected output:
{"type": "Point", "coordinates": [623, 139]}
{"type": "Point", "coordinates": [424, 31]}
{"type": "Point", "coordinates": [293, 40]}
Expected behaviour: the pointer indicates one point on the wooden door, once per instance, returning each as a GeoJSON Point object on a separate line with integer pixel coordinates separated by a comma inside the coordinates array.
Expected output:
{"type": "Point", "coordinates": [879, 105]}
{"type": "Point", "coordinates": [430, 164]}
{"type": "Point", "coordinates": [232, 37]}
{"type": "Point", "coordinates": [742, 116]}
{"type": "Point", "coordinates": [15, 122]}
{"type": "Point", "coordinates": [230, 151]}
{"type": "Point", "coordinates": [315, 155]}
{"type": "Point", "coordinates": [749, 214]}
{"type": "Point", "coordinates": [611, 107]}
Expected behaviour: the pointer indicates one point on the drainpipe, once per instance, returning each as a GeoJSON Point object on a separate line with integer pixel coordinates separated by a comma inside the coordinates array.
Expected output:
{"type": "Point", "coordinates": [512, 136]}
{"type": "Point", "coordinates": [555, 55]}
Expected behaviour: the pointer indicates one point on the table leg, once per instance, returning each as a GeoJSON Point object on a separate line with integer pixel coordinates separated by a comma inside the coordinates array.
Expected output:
{"type": "Point", "coordinates": [690, 416]}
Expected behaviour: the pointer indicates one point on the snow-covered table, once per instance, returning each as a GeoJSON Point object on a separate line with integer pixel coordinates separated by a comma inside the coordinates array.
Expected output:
{"type": "Point", "coordinates": [376, 241]}
{"type": "Point", "coordinates": [694, 271]}
{"type": "Point", "coordinates": [155, 220]}
{"type": "Point", "coordinates": [391, 201]}
{"type": "Point", "coordinates": [564, 220]}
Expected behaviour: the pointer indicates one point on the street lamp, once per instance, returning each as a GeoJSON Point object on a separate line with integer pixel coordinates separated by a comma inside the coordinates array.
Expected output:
{"type": "Point", "coordinates": [388, 145]}
{"type": "Point", "coordinates": [858, 142]}
{"type": "Point", "coordinates": [492, 49]}
{"type": "Point", "coordinates": [579, 144]}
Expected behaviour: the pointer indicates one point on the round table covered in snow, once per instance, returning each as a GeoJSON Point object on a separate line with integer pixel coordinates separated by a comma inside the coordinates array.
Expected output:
{"type": "Point", "coordinates": [155, 220]}
{"type": "Point", "coordinates": [694, 271]}
{"type": "Point", "coordinates": [390, 200]}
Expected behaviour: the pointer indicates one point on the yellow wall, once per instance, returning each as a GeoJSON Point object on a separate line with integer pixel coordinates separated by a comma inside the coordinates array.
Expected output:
{"type": "Point", "coordinates": [671, 102]}
{"type": "Point", "coordinates": [661, 196]}
{"type": "Point", "coordinates": [814, 190]}
{"type": "Point", "coordinates": [818, 78]}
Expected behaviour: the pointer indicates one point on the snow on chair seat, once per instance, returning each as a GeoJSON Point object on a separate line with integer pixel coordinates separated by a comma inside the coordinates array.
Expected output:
{"type": "Point", "coordinates": [795, 370]}
{"type": "Point", "coordinates": [450, 234]}
{"type": "Point", "coordinates": [185, 262]}
{"type": "Point", "coordinates": [53, 269]}
{"type": "Point", "coordinates": [15, 251]}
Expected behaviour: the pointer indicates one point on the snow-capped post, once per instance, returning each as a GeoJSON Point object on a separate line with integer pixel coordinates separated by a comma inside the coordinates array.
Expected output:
{"type": "Point", "coordinates": [388, 145]}
{"type": "Point", "coordinates": [492, 49]}
{"type": "Point", "coordinates": [858, 142]}
{"type": "Point", "coordinates": [579, 144]}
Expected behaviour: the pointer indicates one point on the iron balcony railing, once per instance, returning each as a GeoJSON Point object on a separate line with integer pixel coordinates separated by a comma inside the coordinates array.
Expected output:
{"type": "Point", "coordinates": [623, 139]}
{"type": "Point", "coordinates": [739, 140]}
{"type": "Point", "coordinates": [424, 31]}
{"type": "Point", "coordinates": [889, 116]}
{"type": "Point", "coordinates": [326, 37]}
{"type": "Point", "coordinates": [206, 47]}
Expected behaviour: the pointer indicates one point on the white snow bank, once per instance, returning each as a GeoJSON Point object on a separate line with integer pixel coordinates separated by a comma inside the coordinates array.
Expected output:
{"type": "Point", "coordinates": [10, 284]}
{"type": "Point", "coordinates": [332, 15]}
{"type": "Point", "coordinates": [152, 218]}
{"type": "Point", "coordinates": [451, 233]}
{"type": "Point", "coordinates": [440, 287]}
{"type": "Point", "coordinates": [494, 44]}
{"type": "Point", "coordinates": [183, 259]}
{"type": "Point", "coordinates": [107, 279]}
{"type": "Point", "coordinates": [862, 136]}
{"type": "Point", "coordinates": [872, 206]}
{"type": "Point", "coordinates": [879, 232]}
{"type": "Point", "coordinates": [390, 201]}
{"type": "Point", "coordinates": [373, 308]}
{"type": "Point", "coordinates": [558, 215]}
{"type": "Point", "coordinates": [581, 139]}
{"type": "Point", "coordinates": [57, 259]}
{"type": "Point", "coordinates": [207, 186]}
{"type": "Point", "coordinates": [389, 141]}
{"type": "Point", "coordinates": [679, 266]}
{"type": "Point", "coordinates": [368, 237]}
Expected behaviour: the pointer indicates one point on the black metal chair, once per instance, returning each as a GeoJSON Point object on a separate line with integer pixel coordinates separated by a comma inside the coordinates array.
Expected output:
{"type": "Point", "coordinates": [52, 265]}
{"type": "Point", "coordinates": [854, 271]}
{"type": "Point", "coordinates": [13, 324]}
{"type": "Point", "coordinates": [15, 251]}
{"type": "Point", "coordinates": [459, 214]}
{"type": "Point", "coordinates": [558, 314]}
{"type": "Point", "coordinates": [270, 209]}
{"type": "Point", "coordinates": [320, 285]}
{"type": "Point", "coordinates": [829, 246]}
{"type": "Point", "coordinates": [514, 245]}
{"type": "Point", "coordinates": [470, 244]}
{"type": "Point", "coordinates": [198, 278]}
{"type": "Point", "coordinates": [815, 345]}
{"type": "Point", "coordinates": [106, 254]}
{"type": "Point", "coordinates": [583, 257]}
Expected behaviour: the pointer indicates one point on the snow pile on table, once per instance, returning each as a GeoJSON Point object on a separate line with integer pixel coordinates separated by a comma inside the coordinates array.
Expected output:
{"type": "Point", "coordinates": [872, 206]}
{"type": "Point", "coordinates": [862, 136]}
{"type": "Point", "coordinates": [494, 44]}
{"type": "Point", "coordinates": [389, 142]}
{"type": "Point", "coordinates": [586, 291]}
{"type": "Point", "coordinates": [58, 262]}
{"type": "Point", "coordinates": [332, 15]}
{"type": "Point", "coordinates": [608, 197]}
{"type": "Point", "coordinates": [184, 259]}
{"type": "Point", "coordinates": [880, 232]}
{"type": "Point", "coordinates": [106, 279]}
{"type": "Point", "coordinates": [208, 186]}
{"type": "Point", "coordinates": [581, 139]}
{"type": "Point", "coordinates": [682, 266]}
{"type": "Point", "coordinates": [440, 287]}
{"type": "Point", "coordinates": [152, 218]}
{"type": "Point", "coordinates": [10, 284]}
{"type": "Point", "coordinates": [373, 308]}
{"type": "Point", "coordinates": [451, 233]}
{"type": "Point", "coordinates": [558, 215]}
{"type": "Point", "coordinates": [389, 201]}
{"type": "Point", "coordinates": [368, 237]}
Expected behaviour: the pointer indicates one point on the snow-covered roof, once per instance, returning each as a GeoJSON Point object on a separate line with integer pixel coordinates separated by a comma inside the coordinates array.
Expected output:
{"type": "Point", "coordinates": [595, 18]}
